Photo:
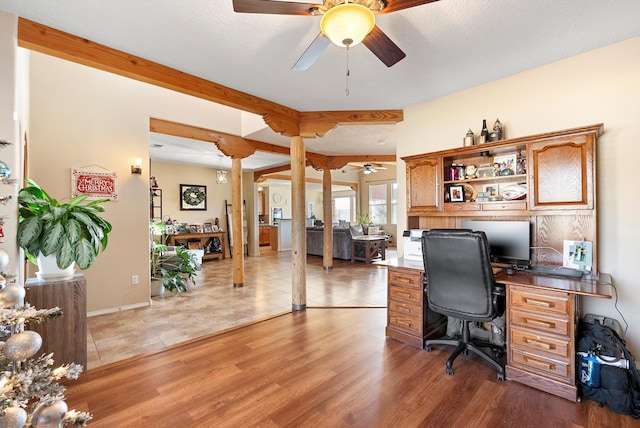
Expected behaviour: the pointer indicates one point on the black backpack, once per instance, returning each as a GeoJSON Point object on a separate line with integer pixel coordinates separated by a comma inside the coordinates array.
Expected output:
{"type": "Point", "coordinates": [619, 388]}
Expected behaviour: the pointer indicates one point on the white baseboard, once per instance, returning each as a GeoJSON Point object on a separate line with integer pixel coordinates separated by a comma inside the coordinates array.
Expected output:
{"type": "Point", "coordinates": [118, 309]}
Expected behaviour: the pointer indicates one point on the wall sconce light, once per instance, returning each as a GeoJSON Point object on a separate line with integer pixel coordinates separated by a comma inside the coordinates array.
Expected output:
{"type": "Point", "coordinates": [136, 168]}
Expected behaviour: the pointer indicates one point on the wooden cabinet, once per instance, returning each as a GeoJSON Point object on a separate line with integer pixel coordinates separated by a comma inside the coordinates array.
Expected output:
{"type": "Point", "coordinates": [66, 337]}
{"type": "Point", "coordinates": [265, 235]}
{"type": "Point", "coordinates": [408, 317]}
{"type": "Point", "coordinates": [423, 184]}
{"type": "Point", "coordinates": [541, 339]}
{"type": "Point", "coordinates": [562, 173]}
{"type": "Point", "coordinates": [261, 203]}
{"type": "Point", "coordinates": [550, 179]}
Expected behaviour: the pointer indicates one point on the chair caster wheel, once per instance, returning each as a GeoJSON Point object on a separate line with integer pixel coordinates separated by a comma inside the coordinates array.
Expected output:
{"type": "Point", "coordinates": [500, 376]}
{"type": "Point", "coordinates": [449, 371]}
{"type": "Point", "coordinates": [427, 348]}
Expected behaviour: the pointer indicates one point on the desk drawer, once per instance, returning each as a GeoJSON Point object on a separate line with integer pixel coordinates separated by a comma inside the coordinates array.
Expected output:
{"type": "Point", "coordinates": [409, 309]}
{"type": "Point", "coordinates": [534, 343]}
{"type": "Point", "coordinates": [410, 323]}
{"type": "Point", "coordinates": [557, 368]}
{"type": "Point", "coordinates": [544, 323]}
{"type": "Point", "coordinates": [412, 280]}
{"type": "Point", "coordinates": [406, 294]}
{"type": "Point", "coordinates": [539, 300]}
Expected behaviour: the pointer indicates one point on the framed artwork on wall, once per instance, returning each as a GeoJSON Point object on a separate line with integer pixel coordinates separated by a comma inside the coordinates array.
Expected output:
{"type": "Point", "coordinates": [193, 197]}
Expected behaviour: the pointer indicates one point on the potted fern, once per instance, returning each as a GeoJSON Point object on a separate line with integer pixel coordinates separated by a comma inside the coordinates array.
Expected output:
{"type": "Point", "coordinates": [71, 232]}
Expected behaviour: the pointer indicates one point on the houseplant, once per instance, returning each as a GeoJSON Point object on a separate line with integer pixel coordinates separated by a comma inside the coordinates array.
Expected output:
{"type": "Point", "coordinates": [72, 231]}
{"type": "Point", "coordinates": [171, 270]}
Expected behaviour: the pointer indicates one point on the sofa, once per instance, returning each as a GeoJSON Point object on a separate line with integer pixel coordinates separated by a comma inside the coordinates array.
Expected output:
{"type": "Point", "coordinates": [341, 242]}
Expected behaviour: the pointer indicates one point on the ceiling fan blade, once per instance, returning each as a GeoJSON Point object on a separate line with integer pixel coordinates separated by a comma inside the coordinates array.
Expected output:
{"type": "Point", "coordinates": [395, 5]}
{"type": "Point", "coordinates": [383, 47]}
{"type": "Point", "coordinates": [312, 53]}
{"type": "Point", "coordinates": [272, 7]}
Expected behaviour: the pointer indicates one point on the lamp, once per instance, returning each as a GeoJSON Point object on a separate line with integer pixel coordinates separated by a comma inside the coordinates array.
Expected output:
{"type": "Point", "coordinates": [221, 174]}
{"type": "Point", "coordinates": [136, 168]}
{"type": "Point", "coordinates": [347, 24]}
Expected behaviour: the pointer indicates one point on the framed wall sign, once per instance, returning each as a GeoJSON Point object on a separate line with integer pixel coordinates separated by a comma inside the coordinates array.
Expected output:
{"type": "Point", "coordinates": [97, 182]}
{"type": "Point", "coordinates": [193, 197]}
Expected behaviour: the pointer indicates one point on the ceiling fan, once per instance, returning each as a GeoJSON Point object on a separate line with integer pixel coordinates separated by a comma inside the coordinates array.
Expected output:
{"type": "Point", "coordinates": [344, 22]}
{"type": "Point", "coordinates": [369, 168]}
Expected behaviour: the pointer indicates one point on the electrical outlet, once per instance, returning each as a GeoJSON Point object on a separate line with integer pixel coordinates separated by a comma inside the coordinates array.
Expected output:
{"type": "Point", "coordinates": [134, 279]}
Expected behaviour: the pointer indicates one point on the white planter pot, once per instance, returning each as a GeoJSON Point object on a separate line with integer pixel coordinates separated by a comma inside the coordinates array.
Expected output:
{"type": "Point", "coordinates": [157, 289]}
{"type": "Point", "coordinates": [49, 270]}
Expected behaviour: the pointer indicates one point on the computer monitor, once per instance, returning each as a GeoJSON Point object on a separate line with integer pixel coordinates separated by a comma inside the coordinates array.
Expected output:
{"type": "Point", "coordinates": [510, 241]}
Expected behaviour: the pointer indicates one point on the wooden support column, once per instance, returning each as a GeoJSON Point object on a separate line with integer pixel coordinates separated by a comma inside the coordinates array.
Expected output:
{"type": "Point", "coordinates": [236, 222]}
{"type": "Point", "coordinates": [327, 215]}
{"type": "Point", "coordinates": [298, 226]}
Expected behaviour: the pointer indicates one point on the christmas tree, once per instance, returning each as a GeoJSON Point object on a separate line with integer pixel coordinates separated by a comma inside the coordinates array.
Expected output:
{"type": "Point", "coordinates": [30, 395]}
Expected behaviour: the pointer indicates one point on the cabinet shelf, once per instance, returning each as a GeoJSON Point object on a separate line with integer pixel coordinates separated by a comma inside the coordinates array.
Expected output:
{"type": "Point", "coordinates": [516, 177]}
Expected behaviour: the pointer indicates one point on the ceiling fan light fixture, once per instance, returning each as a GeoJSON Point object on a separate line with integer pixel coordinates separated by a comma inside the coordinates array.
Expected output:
{"type": "Point", "coordinates": [347, 24]}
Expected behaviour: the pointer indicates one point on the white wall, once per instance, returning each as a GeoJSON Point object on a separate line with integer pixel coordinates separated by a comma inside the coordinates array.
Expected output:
{"type": "Point", "coordinates": [11, 84]}
{"type": "Point", "coordinates": [82, 116]}
{"type": "Point", "coordinates": [602, 86]}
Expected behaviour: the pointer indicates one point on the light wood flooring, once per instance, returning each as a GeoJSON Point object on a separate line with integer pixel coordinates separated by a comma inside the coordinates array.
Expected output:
{"type": "Point", "coordinates": [317, 368]}
{"type": "Point", "coordinates": [214, 304]}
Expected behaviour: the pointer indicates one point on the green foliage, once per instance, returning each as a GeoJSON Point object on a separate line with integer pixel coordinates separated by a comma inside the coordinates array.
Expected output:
{"type": "Point", "coordinates": [175, 270]}
{"type": "Point", "coordinates": [73, 231]}
{"type": "Point", "coordinates": [364, 219]}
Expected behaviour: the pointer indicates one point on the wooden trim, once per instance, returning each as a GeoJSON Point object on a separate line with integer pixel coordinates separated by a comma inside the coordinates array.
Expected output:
{"type": "Point", "coordinates": [281, 119]}
{"type": "Point", "coordinates": [47, 40]}
{"type": "Point", "coordinates": [353, 186]}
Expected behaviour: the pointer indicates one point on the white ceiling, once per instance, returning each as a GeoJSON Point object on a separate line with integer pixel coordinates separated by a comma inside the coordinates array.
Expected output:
{"type": "Point", "coordinates": [451, 45]}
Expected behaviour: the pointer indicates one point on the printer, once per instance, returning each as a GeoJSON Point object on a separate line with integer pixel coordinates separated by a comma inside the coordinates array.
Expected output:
{"type": "Point", "coordinates": [413, 244]}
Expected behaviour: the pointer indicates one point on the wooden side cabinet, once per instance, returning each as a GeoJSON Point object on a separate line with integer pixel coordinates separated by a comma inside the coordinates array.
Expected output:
{"type": "Point", "coordinates": [408, 317]}
{"type": "Point", "coordinates": [66, 337]}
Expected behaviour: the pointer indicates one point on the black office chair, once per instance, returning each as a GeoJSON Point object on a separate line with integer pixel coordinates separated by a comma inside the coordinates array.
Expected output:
{"type": "Point", "coordinates": [460, 283]}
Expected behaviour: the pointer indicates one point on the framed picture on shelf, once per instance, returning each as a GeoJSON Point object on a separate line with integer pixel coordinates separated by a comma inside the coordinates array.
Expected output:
{"type": "Point", "coordinates": [456, 194]}
{"type": "Point", "coordinates": [193, 197]}
{"type": "Point", "coordinates": [491, 190]}
{"type": "Point", "coordinates": [193, 228]}
{"type": "Point", "coordinates": [207, 228]}
{"type": "Point", "coordinates": [505, 164]}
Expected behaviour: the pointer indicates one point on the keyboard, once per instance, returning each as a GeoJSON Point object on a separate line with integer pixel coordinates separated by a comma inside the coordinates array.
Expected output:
{"type": "Point", "coordinates": [555, 271]}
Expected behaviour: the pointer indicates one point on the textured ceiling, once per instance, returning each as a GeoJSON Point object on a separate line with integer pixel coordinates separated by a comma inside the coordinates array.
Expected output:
{"type": "Point", "coordinates": [451, 45]}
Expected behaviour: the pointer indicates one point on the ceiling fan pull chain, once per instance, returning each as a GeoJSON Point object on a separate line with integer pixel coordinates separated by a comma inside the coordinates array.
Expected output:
{"type": "Point", "coordinates": [348, 72]}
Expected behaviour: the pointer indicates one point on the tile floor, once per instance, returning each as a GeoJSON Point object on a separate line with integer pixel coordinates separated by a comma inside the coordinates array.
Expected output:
{"type": "Point", "coordinates": [214, 304]}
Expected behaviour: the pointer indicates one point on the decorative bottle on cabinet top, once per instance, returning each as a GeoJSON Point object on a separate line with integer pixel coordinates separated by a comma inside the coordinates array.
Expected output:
{"type": "Point", "coordinates": [484, 134]}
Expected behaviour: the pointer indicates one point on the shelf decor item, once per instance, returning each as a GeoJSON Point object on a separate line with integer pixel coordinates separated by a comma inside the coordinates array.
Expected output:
{"type": "Point", "coordinates": [456, 194]}
{"type": "Point", "coordinates": [72, 232]}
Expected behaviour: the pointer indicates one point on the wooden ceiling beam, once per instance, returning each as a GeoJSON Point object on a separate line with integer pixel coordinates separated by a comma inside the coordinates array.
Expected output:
{"type": "Point", "coordinates": [353, 186]}
{"type": "Point", "coordinates": [47, 40]}
{"type": "Point", "coordinates": [318, 123]}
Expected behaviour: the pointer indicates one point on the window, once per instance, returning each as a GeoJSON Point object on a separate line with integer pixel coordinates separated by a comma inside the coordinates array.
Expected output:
{"type": "Point", "coordinates": [394, 203]}
{"type": "Point", "coordinates": [378, 203]}
{"type": "Point", "coordinates": [343, 208]}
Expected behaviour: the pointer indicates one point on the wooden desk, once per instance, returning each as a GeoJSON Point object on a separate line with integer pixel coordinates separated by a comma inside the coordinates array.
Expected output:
{"type": "Point", "coordinates": [374, 247]}
{"type": "Point", "coordinates": [542, 319]}
{"type": "Point", "coordinates": [203, 238]}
